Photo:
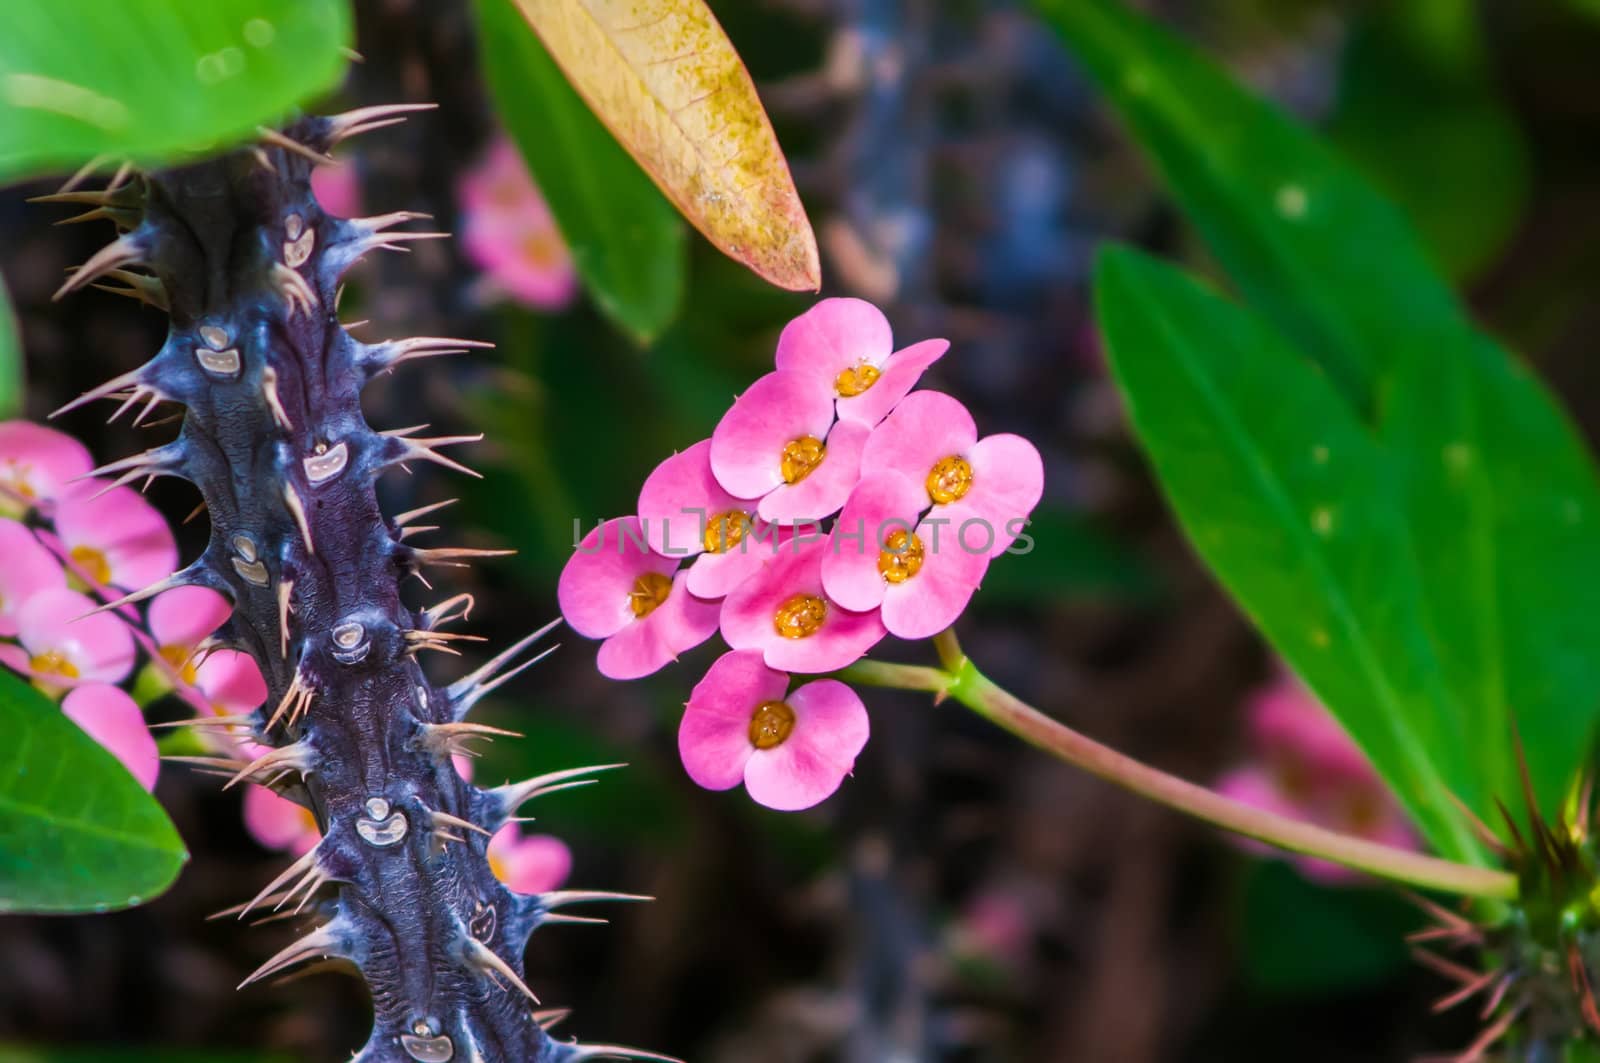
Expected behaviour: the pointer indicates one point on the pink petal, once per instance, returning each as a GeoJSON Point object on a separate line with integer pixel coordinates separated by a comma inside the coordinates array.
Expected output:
{"type": "Point", "coordinates": [125, 529]}
{"type": "Point", "coordinates": [651, 642]}
{"type": "Point", "coordinates": [595, 585]}
{"type": "Point", "coordinates": [278, 823]}
{"type": "Point", "coordinates": [337, 187]}
{"type": "Point", "coordinates": [185, 616]}
{"type": "Point", "coordinates": [525, 259]}
{"type": "Point", "coordinates": [747, 446]}
{"type": "Point", "coordinates": [830, 730]}
{"type": "Point", "coordinates": [26, 568]}
{"type": "Point", "coordinates": [926, 427]}
{"type": "Point", "coordinates": [531, 863]}
{"type": "Point", "coordinates": [37, 462]}
{"type": "Point", "coordinates": [880, 504]}
{"type": "Point", "coordinates": [748, 616]}
{"type": "Point", "coordinates": [680, 499]}
{"type": "Point", "coordinates": [825, 489]}
{"type": "Point", "coordinates": [1007, 482]}
{"type": "Point", "coordinates": [112, 718]}
{"type": "Point", "coordinates": [231, 682]}
{"type": "Point", "coordinates": [714, 735]}
{"type": "Point", "coordinates": [900, 374]}
{"type": "Point", "coordinates": [1289, 725]}
{"type": "Point", "coordinates": [833, 336]}
{"type": "Point", "coordinates": [715, 575]}
{"type": "Point", "coordinates": [99, 646]}
{"type": "Point", "coordinates": [931, 600]}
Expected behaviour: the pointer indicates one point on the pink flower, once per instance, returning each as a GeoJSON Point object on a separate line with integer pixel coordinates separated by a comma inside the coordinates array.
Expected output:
{"type": "Point", "coordinates": [508, 231]}
{"type": "Point", "coordinates": [117, 539]}
{"type": "Point", "coordinates": [617, 589]}
{"type": "Point", "coordinates": [846, 348]}
{"type": "Point", "coordinates": [337, 187]}
{"type": "Point", "coordinates": [779, 443]}
{"type": "Point", "coordinates": [109, 716]}
{"type": "Point", "coordinates": [529, 863]}
{"type": "Point", "coordinates": [1306, 767]}
{"type": "Point", "coordinates": [182, 618]}
{"type": "Point", "coordinates": [230, 682]}
{"type": "Point", "coordinates": [278, 823]}
{"type": "Point", "coordinates": [63, 647]}
{"type": "Point", "coordinates": [36, 462]}
{"type": "Point", "coordinates": [790, 752]}
{"type": "Point", "coordinates": [686, 513]}
{"type": "Point", "coordinates": [784, 613]}
{"type": "Point", "coordinates": [26, 568]}
{"type": "Point", "coordinates": [880, 555]}
{"type": "Point", "coordinates": [985, 487]}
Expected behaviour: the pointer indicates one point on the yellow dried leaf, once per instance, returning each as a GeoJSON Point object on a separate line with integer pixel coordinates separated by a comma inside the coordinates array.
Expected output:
{"type": "Point", "coordinates": [665, 79]}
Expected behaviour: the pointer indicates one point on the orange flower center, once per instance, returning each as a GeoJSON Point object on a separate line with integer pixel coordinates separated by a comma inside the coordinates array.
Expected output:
{"type": "Point", "coordinates": [856, 379]}
{"type": "Point", "coordinates": [949, 479]}
{"type": "Point", "coordinates": [93, 562]}
{"type": "Point", "coordinates": [542, 248]}
{"type": "Point", "coordinates": [801, 457]}
{"type": "Point", "coordinates": [649, 591]}
{"type": "Point", "coordinates": [726, 530]}
{"type": "Point", "coordinates": [182, 660]}
{"type": "Point", "coordinates": [16, 478]}
{"type": "Point", "coordinates": [800, 616]}
{"type": "Point", "coordinates": [52, 663]}
{"type": "Point", "coordinates": [771, 724]}
{"type": "Point", "coordinates": [901, 556]}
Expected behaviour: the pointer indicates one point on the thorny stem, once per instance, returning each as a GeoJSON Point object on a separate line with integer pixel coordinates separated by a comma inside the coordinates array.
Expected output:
{"type": "Point", "coordinates": [959, 679]}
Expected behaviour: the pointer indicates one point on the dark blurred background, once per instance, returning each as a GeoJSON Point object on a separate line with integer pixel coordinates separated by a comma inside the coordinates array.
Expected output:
{"type": "Point", "coordinates": [963, 898]}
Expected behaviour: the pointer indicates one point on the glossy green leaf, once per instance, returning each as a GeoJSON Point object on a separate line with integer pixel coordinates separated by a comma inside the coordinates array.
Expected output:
{"type": "Point", "coordinates": [1290, 501]}
{"type": "Point", "coordinates": [627, 241]}
{"type": "Point", "coordinates": [10, 360]}
{"type": "Point", "coordinates": [151, 80]}
{"type": "Point", "coordinates": [1420, 111]}
{"type": "Point", "coordinates": [77, 832]}
{"type": "Point", "coordinates": [1311, 245]}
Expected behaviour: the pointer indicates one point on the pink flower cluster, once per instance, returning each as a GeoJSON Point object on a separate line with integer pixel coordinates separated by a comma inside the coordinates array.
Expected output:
{"type": "Point", "coordinates": [1305, 766]}
{"type": "Point", "coordinates": [509, 233]}
{"type": "Point", "coordinates": [832, 505]}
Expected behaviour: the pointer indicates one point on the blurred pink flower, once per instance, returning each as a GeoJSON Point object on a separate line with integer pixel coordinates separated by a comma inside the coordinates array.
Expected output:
{"type": "Point", "coordinates": [182, 618]}
{"type": "Point", "coordinates": [26, 568]}
{"type": "Point", "coordinates": [783, 612]}
{"type": "Point", "coordinates": [36, 462]}
{"type": "Point", "coordinates": [790, 752]}
{"type": "Point", "coordinates": [337, 187]}
{"type": "Point", "coordinates": [63, 647]}
{"type": "Point", "coordinates": [109, 716]}
{"type": "Point", "coordinates": [845, 347]}
{"type": "Point", "coordinates": [1306, 767]}
{"type": "Point", "coordinates": [529, 863]}
{"type": "Point", "coordinates": [508, 231]}
{"type": "Point", "coordinates": [985, 487]}
{"type": "Point", "coordinates": [779, 443]}
{"type": "Point", "coordinates": [117, 539]}
{"type": "Point", "coordinates": [278, 823]}
{"type": "Point", "coordinates": [615, 588]}
{"type": "Point", "coordinates": [879, 555]}
{"type": "Point", "coordinates": [230, 682]}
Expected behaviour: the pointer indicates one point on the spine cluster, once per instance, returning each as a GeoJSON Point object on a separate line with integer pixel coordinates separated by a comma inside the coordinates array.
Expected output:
{"type": "Point", "coordinates": [238, 252]}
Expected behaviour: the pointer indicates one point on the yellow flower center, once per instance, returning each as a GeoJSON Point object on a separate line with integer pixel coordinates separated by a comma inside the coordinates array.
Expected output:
{"type": "Point", "coordinates": [93, 562]}
{"type": "Point", "coordinates": [497, 867]}
{"type": "Point", "coordinates": [52, 663]}
{"type": "Point", "coordinates": [649, 591]}
{"type": "Point", "coordinates": [800, 616]}
{"type": "Point", "coordinates": [771, 724]}
{"type": "Point", "coordinates": [901, 556]}
{"type": "Point", "coordinates": [801, 457]}
{"type": "Point", "coordinates": [542, 248]}
{"type": "Point", "coordinates": [182, 660]}
{"type": "Point", "coordinates": [949, 479]}
{"type": "Point", "coordinates": [856, 379]}
{"type": "Point", "coordinates": [16, 478]}
{"type": "Point", "coordinates": [725, 531]}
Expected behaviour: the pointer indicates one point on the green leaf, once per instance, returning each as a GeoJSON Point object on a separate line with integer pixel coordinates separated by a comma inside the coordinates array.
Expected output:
{"type": "Point", "coordinates": [152, 80]}
{"type": "Point", "coordinates": [77, 832]}
{"type": "Point", "coordinates": [1420, 111]}
{"type": "Point", "coordinates": [10, 360]}
{"type": "Point", "coordinates": [1290, 501]}
{"type": "Point", "coordinates": [627, 241]}
{"type": "Point", "coordinates": [1355, 935]}
{"type": "Point", "coordinates": [1310, 244]}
